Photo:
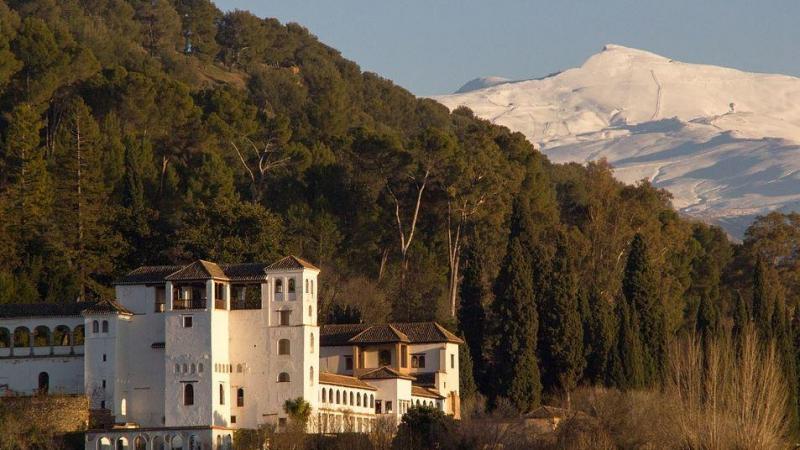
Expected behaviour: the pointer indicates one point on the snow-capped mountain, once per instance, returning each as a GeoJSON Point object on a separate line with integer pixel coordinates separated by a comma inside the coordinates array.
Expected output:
{"type": "Point", "coordinates": [480, 83]}
{"type": "Point", "coordinates": [725, 143]}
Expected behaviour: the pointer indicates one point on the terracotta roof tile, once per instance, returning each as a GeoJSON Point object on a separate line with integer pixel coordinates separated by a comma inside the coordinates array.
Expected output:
{"type": "Point", "coordinates": [148, 274]}
{"type": "Point", "coordinates": [418, 391]}
{"type": "Point", "coordinates": [291, 262]}
{"type": "Point", "coordinates": [198, 270]}
{"type": "Point", "coordinates": [425, 379]}
{"type": "Point", "coordinates": [245, 272]}
{"type": "Point", "coordinates": [344, 380]}
{"type": "Point", "coordinates": [379, 334]}
{"type": "Point", "coordinates": [339, 334]}
{"type": "Point", "coordinates": [107, 307]}
{"type": "Point", "coordinates": [414, 333]}
{"type": "Point", "coordinates": [384, 373]}
{"type": "Point", "coordinates": [13, 310]}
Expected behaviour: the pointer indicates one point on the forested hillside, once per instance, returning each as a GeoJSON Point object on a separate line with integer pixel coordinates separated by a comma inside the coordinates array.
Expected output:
{"type": "Point", "coordinates": [156, 132]}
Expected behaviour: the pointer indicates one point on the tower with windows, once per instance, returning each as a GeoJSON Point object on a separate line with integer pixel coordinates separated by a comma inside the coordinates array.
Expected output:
{"type": "Point", "coordinates": [293, 334]}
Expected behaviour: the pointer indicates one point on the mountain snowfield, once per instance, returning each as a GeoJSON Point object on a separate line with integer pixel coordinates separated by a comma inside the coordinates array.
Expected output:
{"type": "Point", "coordinates": [725, 143]}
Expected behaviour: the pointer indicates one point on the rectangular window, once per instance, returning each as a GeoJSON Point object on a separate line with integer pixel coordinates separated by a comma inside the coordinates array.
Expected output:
{"type": "Point", "coordinates": [104, 384]}
{"type": "Point", "coordinates": [378, 407]}
{"type": "Point", "coordinates": [284, 317]}
{"type": "Point", "coordinates": [404, 356]}
{"type": "Point", "coordinates": [219, 291]}
{"type": "Point", "coordinates": [453, 361]}
{"type": "Point", "coordinates": [187, 321]}
{"type": "Point", "coordinates": [233, 419]}
{"type": "Point", "coordinates": [348, 362]}
{"type": "Point", "coordinates": [161, 299]}
{"type": "Point", "coordinates": [104, 357]}
{"type": "Point", "coordinates": [388, 407]}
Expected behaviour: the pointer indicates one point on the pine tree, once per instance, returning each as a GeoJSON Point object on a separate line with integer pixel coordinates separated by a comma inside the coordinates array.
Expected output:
{"type": "Point", "coordinates": [598, 338]}
{"type": "Point", "coordinates": [561, 331]}
{"type": "Point", "coordinates": [515, 360]}
{"type": "Point", "coordinates": [642, 294]}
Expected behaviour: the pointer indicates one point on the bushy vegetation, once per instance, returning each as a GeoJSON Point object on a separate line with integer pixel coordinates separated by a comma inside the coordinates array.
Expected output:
{"type": "Point", "coordinates": [149, 132]}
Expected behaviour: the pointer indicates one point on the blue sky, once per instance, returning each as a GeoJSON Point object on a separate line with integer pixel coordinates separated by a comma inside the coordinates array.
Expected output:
{"type": "Point", "coordinates": [434, 46]}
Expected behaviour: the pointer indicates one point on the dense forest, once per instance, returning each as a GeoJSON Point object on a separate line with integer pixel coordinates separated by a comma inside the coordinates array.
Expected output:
{"type": "Point", "coordinates": [160, 131]}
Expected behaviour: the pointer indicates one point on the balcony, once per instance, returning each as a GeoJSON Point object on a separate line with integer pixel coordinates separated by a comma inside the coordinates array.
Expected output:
{"type": "Point", "coordinates": [181, 304]}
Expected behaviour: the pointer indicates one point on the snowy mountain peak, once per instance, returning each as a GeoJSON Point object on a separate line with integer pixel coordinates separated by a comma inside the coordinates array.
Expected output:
{"type": "Point", "coordinates": [480, 83]}
{"type": "Point", "coordinates": [725, 142]}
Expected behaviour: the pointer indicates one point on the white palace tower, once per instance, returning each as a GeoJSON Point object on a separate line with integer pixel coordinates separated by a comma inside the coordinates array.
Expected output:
{"type": "Point", "coordinates": [186, 355]}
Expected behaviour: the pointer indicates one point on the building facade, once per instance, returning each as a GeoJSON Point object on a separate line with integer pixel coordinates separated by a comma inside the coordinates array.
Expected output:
{"type": "Point", "coordinates": [186, 355]}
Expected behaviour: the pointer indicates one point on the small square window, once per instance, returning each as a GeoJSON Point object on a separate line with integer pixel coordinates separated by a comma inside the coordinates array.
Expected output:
{"type": "Point", "coordinates": [233, 419]}
{"type": "Point", "coordinates": [187, 321]}
{"type": "Point", "coordinates": [348, 362]}
{"type": "Point", "coordinates": [388, 407]}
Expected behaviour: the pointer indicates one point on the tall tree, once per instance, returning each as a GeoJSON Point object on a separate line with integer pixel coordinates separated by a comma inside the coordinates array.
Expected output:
{"type": "Point", "coordinates": [599, 337]}
{"type": "Point", "coordinates": [763, 299]}
{"type": "Point", "coordinates": [641, 292]}
{"type": "Point", "coordinates": [516, 366]}
{"type": "Point", "coordinates": [561, 330]}
{"type": "Point", "coordinates": [471, 312]}
{"type": "Point", "coordinates": [626, 369]}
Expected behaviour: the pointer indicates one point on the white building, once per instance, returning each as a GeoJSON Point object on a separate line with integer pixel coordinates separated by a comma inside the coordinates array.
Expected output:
{"type": "Point", "coordinates": [185, 355]}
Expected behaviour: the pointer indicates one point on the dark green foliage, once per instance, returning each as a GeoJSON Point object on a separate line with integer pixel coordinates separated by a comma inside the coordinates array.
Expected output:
{"type": "Point", "coordinates": [741, 316]}
{"type": "Point", "coordinates": [642, 295]}
{"type": "Point", "coordinates": [343, 314]}
{"type": "Point", "coordinates": [472, 313]}
{"type": "Point", "coordinates": [599, 337]}
{"type": "Point", "coordinates": [626, 368]}
{"type": "Point", "coordinates": [467, 387]}
{"type": "Point", "coordinates": [424, 427]}
{"type": "Point", "coordinates": [560, 329]}
{"type": "Point", "coordinates": [763, 299]}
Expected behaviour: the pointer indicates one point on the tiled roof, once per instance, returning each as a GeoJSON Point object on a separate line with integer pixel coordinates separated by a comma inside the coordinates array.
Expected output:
{"type": "Point", "coordinates": [384, 373]}
{"type": "Point", "coordinates": [198, 270]}
{"type": "Point", "coordinates": [418, 391]}
{"type": "Point", "coordinates": [245, 272]}
{"type": "Point", "coordinates": [13, 310]}
{"type": "Point", "coordinates": [344, 380]}
{"type": "Point", "coordinates": [414, 333]}
{"type": "Point", "coordinates": [107, 307]}
{"type": "Point", "coordinates": [379, 334]}
{"type": "Point", "coordinates": [425, 379]}
{"type": "Point", "coordinates": [339, 334]}
{"type": "Point", "coordinates": [291, 262]}
{"type": "Point", "coordinates": [148, 274]}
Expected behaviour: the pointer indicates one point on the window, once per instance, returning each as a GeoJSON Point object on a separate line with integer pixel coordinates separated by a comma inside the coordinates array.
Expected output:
{"type": "Point", "coordinates": [193, 368]}
{"type": "Point", "coordinates": [307, 291]}
{"type": "Point", "coordinates": [41, 336]}
{"type": "Point", "coordinates": [78, 336]}
{"type": "Point", "coordinates": [418, 361]}
{"type": "Point", "coordinates": [312, 286]}
{"type": "Point", "coordinates": [388, 407]}
{"type": "Point", "coordinates": [219, 291]}
{"type": "Point", "coordinates": [238, 368]}
{"type": "Point", "coordinates": [351, 399]}
{"type": "Point", "coordinates": [161, 299]}
{"type": "Point", "coordinates": [283, 377]}
{"type": "Point", "coordinates": [95, 327]}
{"type": "Point", "coordinates": [378, 407]}
{"type": "Point", "coordinates": [233, 419]}
{"type": "Point", "coordinates": [404, 356]}
{"type": "Point", "coordinates": [324, 395]}
{"type": "Point", "coordinates": [371, 400]}
{"type": "Point", "coordinates": [104, 357]}
{"type": "Point", "coordinates": [348, 362]}
{"type": "Point", "coordinates": [102, 404]}
{"type": "Point", "coordinates": [311, 341]}
{"type": "Point", "coordinates": [246, 296]}
{"type": "Point", "coordinates": [123, 407]}
{"type": "Point", "coordinates": [385, 358]}
{"type": "Point", "coordinates": [309, 310]}
{"type": "Point", "coordinates": [61, 336]}
{"type": "Point", "coordinates": [200, 367]}
{"type": "Point", "coordinates": [221, 394]}
{"type": "Point", "coordinates": [358, 399]}
{"type": "Point", "coordinates": [291, 286]}
{"type": "Point", "coordinates": [187, 321]}
{"type": "Point", "coordinates": [240, 397]}
{"type": "Point", "coordinates": [188, 394]}
{"type": "Point", "coordinates": [105, 326]}
{"type": "Point", "coordinates": [44, 382]}
{"type": "Point", "coordinates": [452, 360]}
{"type": "Point", "coordinates": [104, 384]}
{"type": "Point", "coordinates": [279, 286]}
{"type": "Point", "coordinates": [338, 397]}
{"type": "Point", "coordinates": [177, 368]}
{"type": "Point", "coordinates": [284, 347]}
{"type": "Point", "coordinates": [283, 317]}
{"type": "Point", "coordinates": [311, 376]}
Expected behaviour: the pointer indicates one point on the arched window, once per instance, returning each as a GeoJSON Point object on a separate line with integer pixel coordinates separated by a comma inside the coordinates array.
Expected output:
{"type": "Point", "coordinates": [371, 400]}
{"type": "Point", "coordinates": [385, 358]}
{"type": "Point", "coordinates": [358, 399]}
{"type": "Point", "coordinates": [185, 368]}
{"type": "Point", "coordinates": [283, 377]}
{"type": "Point", "coordinates": [284, 347]}
{"type": "Point", "coordinates": [22, 337]}
{"type": "Point", "coordinates": [312, 342]}
{"type": "Point", "coordinates": [194, 368]}
{"type": "Point", "coordinates": [62, 336]}
{"type": "Point", "coordinates": [338, 398]}
{"type": "Point", "coordinates": [158, 443]}
{"type": "Point", "coordinates": [5, 338]}
{"type": "Point", "coordinates": [279, 286]}
{"type": "Point", "coordinates": [351, 398]}
{"type": "Point", "coordinates": [104, 443]}
{"type": "Point", "coordinates": [41, 336]}
{"type": "Point", "coordinates": [139, 443]}
{"type": "Point", "coordinates": [238, 368]}
{"type": "Point", "coordinates": [307, 291]}
{"type": "Point", "coordinates": [78, 335]}
{"type": "Point", "coordinates": [221, 394]}
{"type": "Point", "coordinates": [105, 326]}
{"type": "Point", "coordinates": [122, 444]}
{"type": "Point", "coordinates": [200, 368]}
{"type": "Point", "coordinates": [177, 443]}
{"type": "Point", "coordinates": [240, 397]}
{"type": "Point", "coordinates": [44, 382]}
{"type": "Point", "coordinates": [311, 376]}
{"type": "Point", "coordinates": [95, 326]}
{"type": "Point", "coordinates": [188, 394]}
{"type": "Point", "coordinates": [177, 368]}
{"type": "Point", "coordinates": [312, 286]}
{"type": "Point", "coordinates": [291, 286]}
{"type": "Point", "coordinates": [309, 310]}
{"type": "Point", "coordinates": [324, 395]}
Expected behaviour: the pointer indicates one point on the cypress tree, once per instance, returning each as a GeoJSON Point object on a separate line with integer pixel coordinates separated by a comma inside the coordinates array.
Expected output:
{"type": "Point", "coordinates": [561, 331]}
{"type": "Point", "coordinates": [741, 316]}
{"type": "Point", "coordinates": [516, 365]}
{"type": "Point", "coordinates": [642, 294]}
{"type": "Point", "coordinates": [707, 317]}
{"type": "Point", "coordinates": [627, 360]}
{"type": "Point", "coordinates": [471, 312]}
{"type": "Point", "coordinates": [763, 299]}
{"type": "Point", "coordinates": [598, 337]}
{"type": "Point", "coordinates": [466, 381]}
